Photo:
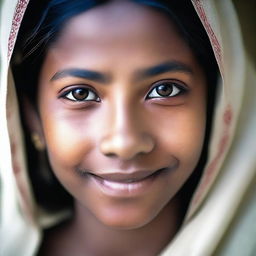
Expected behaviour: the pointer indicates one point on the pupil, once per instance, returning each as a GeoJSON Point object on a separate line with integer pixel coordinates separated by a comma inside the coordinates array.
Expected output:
{"type": "Point", "coordinates": [164, 89]}
{"type": "Point", "coordinates": [80, 94]}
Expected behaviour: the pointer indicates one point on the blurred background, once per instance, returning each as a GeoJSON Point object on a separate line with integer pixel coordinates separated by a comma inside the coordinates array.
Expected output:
{"type": "Point", "coordinates": [246, 9]}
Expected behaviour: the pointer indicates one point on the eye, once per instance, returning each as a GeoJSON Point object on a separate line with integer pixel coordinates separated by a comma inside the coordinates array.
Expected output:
{"type": "Point", "coordinates": [165, 90]}
{"type": "Point", "coordinates": [81, 94]}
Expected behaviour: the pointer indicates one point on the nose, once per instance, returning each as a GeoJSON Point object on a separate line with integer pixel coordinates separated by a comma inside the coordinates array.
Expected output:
{"type": "Point", "coordinates": [126, 146]}
{"type": "Point", "coordinates": [125, 135]}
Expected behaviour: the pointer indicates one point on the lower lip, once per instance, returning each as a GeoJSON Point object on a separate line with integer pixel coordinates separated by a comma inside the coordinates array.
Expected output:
{"type": "Point", "coordinates": [119, 189]}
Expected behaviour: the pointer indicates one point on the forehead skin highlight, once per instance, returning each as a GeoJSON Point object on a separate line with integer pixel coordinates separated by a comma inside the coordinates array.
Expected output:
{"type": "Point", "coordinates": [106, 22]}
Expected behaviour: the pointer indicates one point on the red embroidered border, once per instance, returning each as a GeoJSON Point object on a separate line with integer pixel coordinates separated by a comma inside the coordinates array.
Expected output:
{"type": "Point", "coordinates": [211, 34]}
{"type": "Point", "coordinates": [26, 205]}
{"type": "Point", "coordinates": [17, 18]}
{"type": "Point", "coordinates": [210, 172]}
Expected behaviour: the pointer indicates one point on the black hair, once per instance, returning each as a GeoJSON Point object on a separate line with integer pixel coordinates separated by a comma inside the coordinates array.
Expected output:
{"type": "Point", "coordinates": [37, 35]}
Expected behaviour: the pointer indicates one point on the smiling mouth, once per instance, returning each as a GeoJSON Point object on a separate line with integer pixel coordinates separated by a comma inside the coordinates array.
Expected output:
{"type": "Point", "coordinates": [125, 184]}
{"type": "Point", "coordinates": [127, 178]}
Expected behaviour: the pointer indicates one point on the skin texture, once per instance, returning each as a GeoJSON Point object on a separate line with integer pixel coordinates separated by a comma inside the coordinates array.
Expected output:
{"type": "Point", "coordinates": [124, 128]}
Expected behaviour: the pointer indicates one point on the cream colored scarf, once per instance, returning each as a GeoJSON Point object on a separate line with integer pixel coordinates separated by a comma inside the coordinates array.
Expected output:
{"type": "Point", "coordinates": [221, 217]}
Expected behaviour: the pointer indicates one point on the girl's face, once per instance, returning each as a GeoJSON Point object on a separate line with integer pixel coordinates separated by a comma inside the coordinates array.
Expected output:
{"type": "Point", "coordinates": [122, 108]}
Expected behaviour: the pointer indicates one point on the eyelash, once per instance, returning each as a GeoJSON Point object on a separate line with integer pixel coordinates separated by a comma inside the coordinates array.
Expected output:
{"type": "Point", "coordinates": [171, 89]}
{"type": "Point", "coordinates": [176, 90]}
{"type": "Point", "coordinates": [69, 95]}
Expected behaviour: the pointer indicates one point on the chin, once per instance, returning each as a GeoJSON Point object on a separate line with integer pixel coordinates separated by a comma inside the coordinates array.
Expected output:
{"type": "Point", "coordinates": [126, 219]}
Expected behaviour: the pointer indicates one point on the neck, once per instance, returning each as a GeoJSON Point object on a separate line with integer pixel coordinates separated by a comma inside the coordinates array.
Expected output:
{"type": "Point", "coordinates": [95, 238]}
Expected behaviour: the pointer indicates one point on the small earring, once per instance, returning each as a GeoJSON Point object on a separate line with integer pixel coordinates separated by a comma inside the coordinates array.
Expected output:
{"type": "Point", "coordinates": [38, 144]}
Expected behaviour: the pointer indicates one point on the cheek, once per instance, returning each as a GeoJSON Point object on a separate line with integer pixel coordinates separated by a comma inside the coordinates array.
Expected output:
{"type": "Point", "coordinates": [182, 138]}
{"type": "Point", "coordinates": [182, 133]}
{"type": "Point", "coordinates": [68, 139]}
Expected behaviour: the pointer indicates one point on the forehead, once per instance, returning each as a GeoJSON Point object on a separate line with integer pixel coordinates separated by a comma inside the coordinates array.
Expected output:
{"type": "Point", "coordinates": [119, 14]}
{"type": "Point", "coordinates": [119, 26]}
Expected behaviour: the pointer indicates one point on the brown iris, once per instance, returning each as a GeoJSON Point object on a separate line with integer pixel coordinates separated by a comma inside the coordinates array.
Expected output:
{"type": "Point", "coordinates": [80, 94]}
{"type": "Point", "coordinates": [164, 89]}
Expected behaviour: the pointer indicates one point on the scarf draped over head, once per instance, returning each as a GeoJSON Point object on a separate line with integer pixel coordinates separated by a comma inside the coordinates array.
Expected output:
{"type": "Point", "coordinates": [222, 213]}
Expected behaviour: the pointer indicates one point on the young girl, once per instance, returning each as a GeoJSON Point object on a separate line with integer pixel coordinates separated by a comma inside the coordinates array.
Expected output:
{"type": "Point", "coordinates": [118, 97]}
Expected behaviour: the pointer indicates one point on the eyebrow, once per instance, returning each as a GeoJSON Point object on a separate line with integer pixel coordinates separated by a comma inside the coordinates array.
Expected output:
{"type": "Point", "coordinates": [81, 73]}
{"type": "Point", "coordinates": [170, 66]}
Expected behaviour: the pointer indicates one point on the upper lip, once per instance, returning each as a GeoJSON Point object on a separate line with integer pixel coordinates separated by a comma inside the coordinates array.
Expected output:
{"type": "Point", "coordinates": [126, 177]}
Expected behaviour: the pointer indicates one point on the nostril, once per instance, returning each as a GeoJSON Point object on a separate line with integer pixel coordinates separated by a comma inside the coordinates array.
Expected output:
{"type": "Point", "coordinates": [112, 155]}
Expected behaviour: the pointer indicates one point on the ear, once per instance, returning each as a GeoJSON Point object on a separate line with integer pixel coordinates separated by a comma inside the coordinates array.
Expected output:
{"type": "Point", "coordinates": [33, 123]}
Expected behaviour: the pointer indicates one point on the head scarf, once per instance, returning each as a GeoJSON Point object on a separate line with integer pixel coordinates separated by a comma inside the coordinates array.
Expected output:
{"type": "Point", "coordinates": [222, 213]}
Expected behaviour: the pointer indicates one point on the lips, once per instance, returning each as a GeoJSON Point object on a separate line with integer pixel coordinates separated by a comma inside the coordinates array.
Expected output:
{"type": "Point", "coordinates": [131, 177]}
{"type": "Point", "coordinates": [128, 183]}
